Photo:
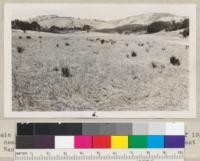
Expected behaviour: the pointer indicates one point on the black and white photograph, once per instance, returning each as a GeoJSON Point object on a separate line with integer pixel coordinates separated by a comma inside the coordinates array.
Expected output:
{"type": "Point", "coordinates": [109, 60]}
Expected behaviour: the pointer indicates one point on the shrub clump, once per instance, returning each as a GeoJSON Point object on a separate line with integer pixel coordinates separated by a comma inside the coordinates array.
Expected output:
{"type": "Point", "coordinates": [28, 37]}
{"type": "Point", "coordinates": [112, 42]}
{"type": "Point", "coordinates": [174, 61]}
{"type": "Point", "coordinates": [57, 45]}
{"type": "Point", "coordinates": [186, 32]}
{"type": "Point", "coordinates": [186, 46]}
{"type": "Point", "coordinates": [20, 49]}
{"type": "Point", "coordinates": [55, 69]}
{"type": "Point", "coordinates": [133, 54]}
{"type": "Point", "coordinates": [20, 37]}
{"type": "Point", "coordinates": [67, 44]}
{"type": "Point", "coordinates": [154, 65]}
{"type": "Point", "coordinates": [39, 37]}
{"type": "Point", "coordinates": [141, 44]}
{"type": "Point", "coordinates": [66, 72]}
{"type": "Point", "coordinates": [158, 65]}
{"type": "Point", "coordinates": [102, 41]}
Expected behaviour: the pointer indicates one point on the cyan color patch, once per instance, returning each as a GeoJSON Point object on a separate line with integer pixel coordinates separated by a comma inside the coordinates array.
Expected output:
{"type": "Point", "coordinates": [155, 141]}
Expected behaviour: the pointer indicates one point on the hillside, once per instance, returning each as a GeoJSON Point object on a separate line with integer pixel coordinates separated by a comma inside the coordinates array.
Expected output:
{"type": "Point", "coordinates": [143, 23]}
{"type": "Point", "coordinates": [148, 18]}
{"type": "Point", "coordinates": [71, 22]}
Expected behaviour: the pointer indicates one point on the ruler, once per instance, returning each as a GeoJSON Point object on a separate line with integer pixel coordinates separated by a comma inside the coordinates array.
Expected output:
{"type": "Point", "coordinates": [99, 154]}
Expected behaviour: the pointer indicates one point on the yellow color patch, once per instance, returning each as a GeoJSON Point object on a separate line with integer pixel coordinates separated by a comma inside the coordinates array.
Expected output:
{"type": "Point", "coordinates": [119, 142]}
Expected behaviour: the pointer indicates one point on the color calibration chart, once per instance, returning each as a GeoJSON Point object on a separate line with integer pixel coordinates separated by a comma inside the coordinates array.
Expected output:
{"type": "Point", "coordinates": [100, 141]}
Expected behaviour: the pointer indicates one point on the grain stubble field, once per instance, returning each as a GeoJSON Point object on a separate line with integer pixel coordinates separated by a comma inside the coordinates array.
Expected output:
{"type": "Point", "coordinates": [103, 75]}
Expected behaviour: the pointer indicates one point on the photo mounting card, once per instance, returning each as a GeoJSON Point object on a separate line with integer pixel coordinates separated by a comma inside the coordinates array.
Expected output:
{"type": "Point", "coordinates": [99, 60]}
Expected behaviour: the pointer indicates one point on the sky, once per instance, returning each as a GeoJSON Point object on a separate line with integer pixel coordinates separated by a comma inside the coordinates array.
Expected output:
{"type": "Point", "coordinates": [94, 11]}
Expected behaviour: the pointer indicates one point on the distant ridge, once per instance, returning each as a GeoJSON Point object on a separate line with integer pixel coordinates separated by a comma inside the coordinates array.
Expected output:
{"type": "Point", "coordinates": [46, 21]}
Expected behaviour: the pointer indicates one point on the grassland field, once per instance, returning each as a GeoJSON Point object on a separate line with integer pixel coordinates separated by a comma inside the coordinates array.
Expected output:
{"type": "Point", "coordinates": [106, 72]}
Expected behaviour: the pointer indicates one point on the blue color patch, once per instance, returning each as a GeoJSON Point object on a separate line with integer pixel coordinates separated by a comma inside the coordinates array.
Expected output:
{"type": "Point", "coordinates": [155, 141]}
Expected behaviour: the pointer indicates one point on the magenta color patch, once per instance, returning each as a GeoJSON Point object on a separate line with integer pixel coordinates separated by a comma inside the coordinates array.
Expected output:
{"type": "Point", "coordinates": [82, 142]}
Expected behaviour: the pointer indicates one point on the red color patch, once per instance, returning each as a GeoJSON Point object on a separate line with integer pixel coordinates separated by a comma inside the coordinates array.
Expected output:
{"type": "Point", "coordinates": [101, 142]}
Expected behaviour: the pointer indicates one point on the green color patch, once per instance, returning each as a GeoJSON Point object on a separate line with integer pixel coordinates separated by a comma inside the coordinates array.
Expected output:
{"type": "Point", "coordinates": [137, 141]}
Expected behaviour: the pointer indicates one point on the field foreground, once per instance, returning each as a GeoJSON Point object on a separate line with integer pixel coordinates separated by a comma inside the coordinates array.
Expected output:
{"type": "Point", "coordinates": [99, 72]}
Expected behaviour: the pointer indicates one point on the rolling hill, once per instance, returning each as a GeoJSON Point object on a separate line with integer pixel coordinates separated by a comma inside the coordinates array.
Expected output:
{"type": "Point", "coordinates": [46, 21]}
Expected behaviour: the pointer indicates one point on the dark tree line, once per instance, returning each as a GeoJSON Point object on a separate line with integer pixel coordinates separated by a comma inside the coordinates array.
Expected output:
{"type": "Point", "coordinates": [157, 26]}
{"type": "Point", "coordinates": [152, 28]}
{"type": "Point", "coordinates": [168, 26]}
{"type": "Point", "coordinates": [24, 25]}
{"type": "Point", "coordinates": [56, 29]}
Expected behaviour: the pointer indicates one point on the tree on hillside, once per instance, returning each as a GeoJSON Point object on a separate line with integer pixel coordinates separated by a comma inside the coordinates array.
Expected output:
{"type": "Point", "coordinates": [55, 29]}
{"type": "Point", "coordinates": [157, 26]}
{"type": "Point", "coordinates": [35, 26]}
{"type": "Point", "coordinates": [186, 32]}
{"type": "Point", "coordinates": [86, 28]}
{"type": "Point", "coordinates": [168, 26]}
{"type": "Point", "coordinates": [185, 23]}
{"type": "Point", "coordinates": [24, 25]}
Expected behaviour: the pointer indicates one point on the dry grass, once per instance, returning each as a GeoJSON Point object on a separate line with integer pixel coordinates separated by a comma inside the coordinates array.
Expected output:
{"type": "Point", "coordinates": [101, 75]}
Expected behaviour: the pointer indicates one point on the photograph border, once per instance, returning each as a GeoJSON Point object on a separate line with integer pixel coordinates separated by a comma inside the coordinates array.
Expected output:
{"type": "Point", "coordinates": [191, 113]}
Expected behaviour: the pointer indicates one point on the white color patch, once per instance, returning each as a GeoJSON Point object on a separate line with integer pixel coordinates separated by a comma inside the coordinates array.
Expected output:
{"type": "Point", "coordinates": [174, 128]}
{"type": "Point", "coordinates": [62, 142]}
